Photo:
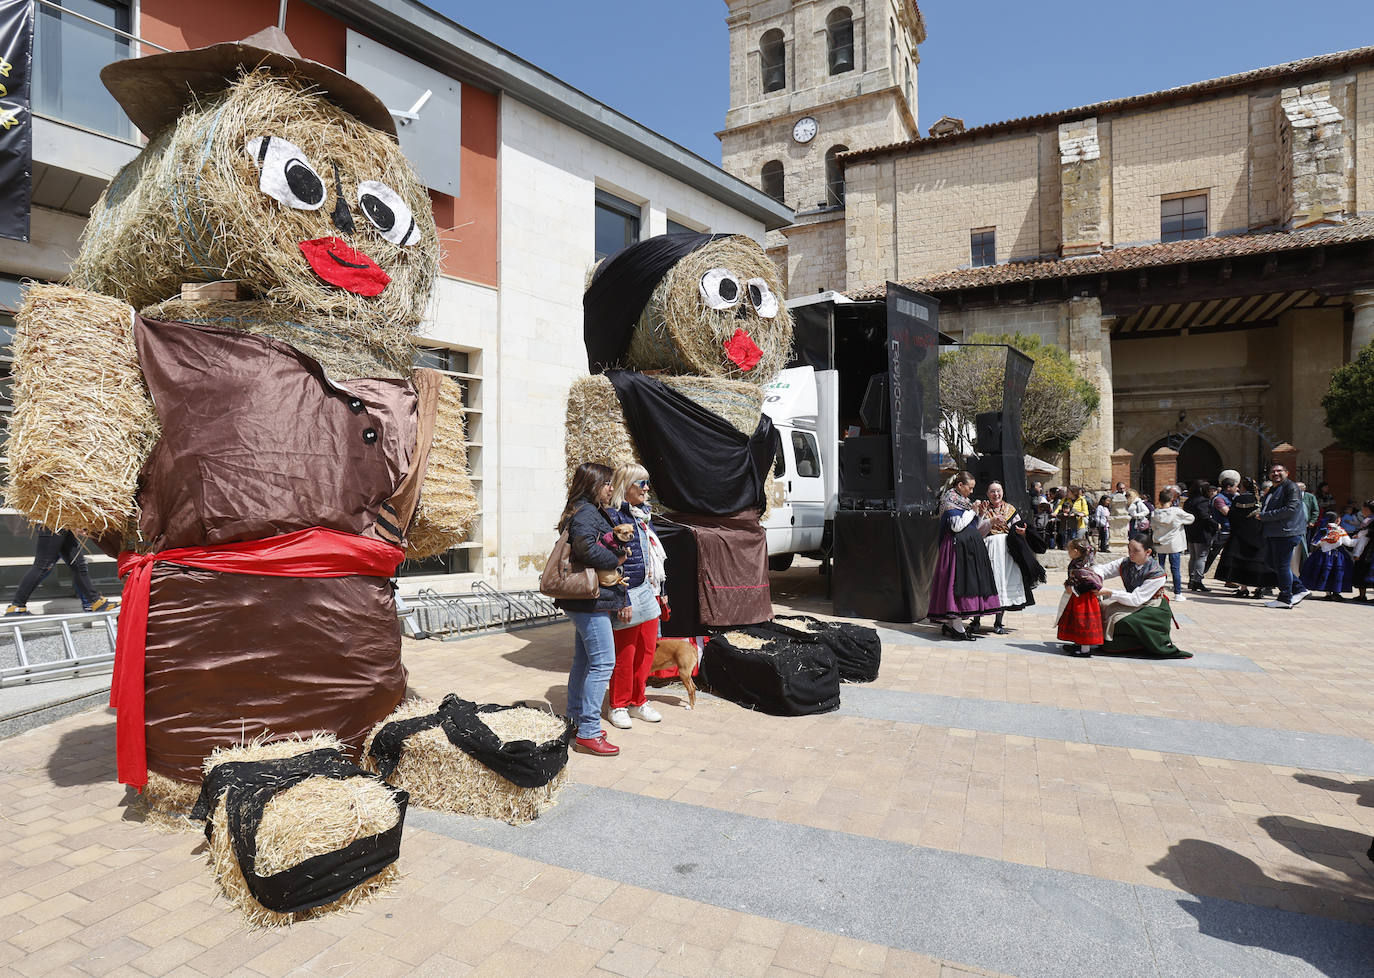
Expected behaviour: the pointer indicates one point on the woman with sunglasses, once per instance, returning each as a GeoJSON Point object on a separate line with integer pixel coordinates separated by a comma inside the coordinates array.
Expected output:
{"type": "Point", "coordinates": [636, 637]}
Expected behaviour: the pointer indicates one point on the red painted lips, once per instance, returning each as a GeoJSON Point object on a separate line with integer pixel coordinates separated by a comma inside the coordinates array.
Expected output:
{"type": "Point", "coordinates": [335, 261]}
{"type": "Point", "coordinates": [742, 351]}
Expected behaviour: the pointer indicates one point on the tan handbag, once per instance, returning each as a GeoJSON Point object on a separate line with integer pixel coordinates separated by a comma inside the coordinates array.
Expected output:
{"type": "Point", "coordinates": [564, 578]}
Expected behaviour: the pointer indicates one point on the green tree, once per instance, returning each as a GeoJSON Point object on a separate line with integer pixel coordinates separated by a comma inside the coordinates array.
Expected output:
{"type": "Point", "coordinates": [1349, 402]}
{"type": "Point", "coordinates": [1058, 403]}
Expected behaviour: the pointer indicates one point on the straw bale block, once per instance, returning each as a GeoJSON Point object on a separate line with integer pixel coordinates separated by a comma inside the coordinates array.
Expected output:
{"type": "Point", "coordinates": [448, 502]}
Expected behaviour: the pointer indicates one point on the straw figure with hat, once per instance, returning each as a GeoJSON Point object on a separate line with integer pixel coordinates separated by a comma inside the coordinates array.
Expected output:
{"type": "Point", "coordinates": [682, 331]}
{"type": "Point", "coordinates": [224, 394]}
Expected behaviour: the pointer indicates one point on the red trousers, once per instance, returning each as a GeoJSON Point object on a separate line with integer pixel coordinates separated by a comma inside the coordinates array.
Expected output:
{"type": "Point", "coordinates": [634, 654]}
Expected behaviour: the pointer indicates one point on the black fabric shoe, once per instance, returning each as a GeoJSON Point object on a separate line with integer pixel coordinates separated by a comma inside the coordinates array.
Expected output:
{"type": "Point", "coordinates": [1001, 630]}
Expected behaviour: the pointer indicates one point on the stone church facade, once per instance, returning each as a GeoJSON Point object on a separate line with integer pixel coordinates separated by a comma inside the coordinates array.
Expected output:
{"type": "Point", "coordinates": [1205, 253]}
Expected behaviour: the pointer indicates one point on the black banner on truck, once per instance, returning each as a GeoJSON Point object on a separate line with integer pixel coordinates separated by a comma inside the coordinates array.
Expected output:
{"type": "Point", "coordinates": [16, 122]}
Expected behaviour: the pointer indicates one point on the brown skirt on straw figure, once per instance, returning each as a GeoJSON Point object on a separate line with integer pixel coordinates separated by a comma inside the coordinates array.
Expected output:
{"type": "Point", "coordinates": [444, 777]}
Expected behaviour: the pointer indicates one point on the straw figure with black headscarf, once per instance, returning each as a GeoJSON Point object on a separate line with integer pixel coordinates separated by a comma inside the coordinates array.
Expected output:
{"type": "Point", "coordinates": [259, 451]}
{"type": "Point", "coordinates": [682, 331]}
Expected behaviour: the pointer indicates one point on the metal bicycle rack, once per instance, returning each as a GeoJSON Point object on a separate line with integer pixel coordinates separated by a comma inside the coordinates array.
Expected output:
{"type": "Point", "coordinates": [43, 647]}
{"type": "Point", "coordinates": [450, 617]}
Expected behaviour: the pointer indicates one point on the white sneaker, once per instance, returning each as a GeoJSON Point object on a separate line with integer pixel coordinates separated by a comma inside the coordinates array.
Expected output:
{"type": "Point", "coordinates": [1298, 597]}
{"type": "Point", "coordinates": [1277, 604]}
{"type": "Point", "coordinates": [620, 717]}
{"type": "Point", "coordinates": [1179, 597]}
{"type": "Point", "coordinates": [647, 713]}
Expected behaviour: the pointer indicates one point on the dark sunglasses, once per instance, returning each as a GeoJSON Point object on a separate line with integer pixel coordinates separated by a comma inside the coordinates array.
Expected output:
{"type": "Point", "coordinates": [641, 484]}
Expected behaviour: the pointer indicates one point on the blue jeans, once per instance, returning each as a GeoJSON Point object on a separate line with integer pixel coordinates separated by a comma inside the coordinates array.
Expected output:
{"type": "Point", "coordinates": [593, 661]}
{"type": "Point", "coordinates": [1279, 552]}
{"type": "Point", "coordinates": [1176, 567]}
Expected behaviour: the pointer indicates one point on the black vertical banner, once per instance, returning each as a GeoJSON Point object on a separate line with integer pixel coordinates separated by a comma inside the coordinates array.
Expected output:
{"type": "Point", "coordinates": [16, 122]}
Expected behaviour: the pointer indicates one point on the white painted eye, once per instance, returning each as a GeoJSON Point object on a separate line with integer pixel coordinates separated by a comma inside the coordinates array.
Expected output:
{"type": "Point", "coordinates": [285, 175]}
{"type": "Point", "coordinates": [720, 289]}
{"type": "Point", "coordinates": [388, 213]}
{"type": "Point", "coordinates": [761, 297]}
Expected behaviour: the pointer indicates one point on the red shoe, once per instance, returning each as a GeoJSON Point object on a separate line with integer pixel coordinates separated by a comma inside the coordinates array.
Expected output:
{"type": "Point", "coordinates": [596, 745]}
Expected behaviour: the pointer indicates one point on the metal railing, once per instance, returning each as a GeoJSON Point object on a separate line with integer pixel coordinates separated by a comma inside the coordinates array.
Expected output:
{"type": "Point", "coordinates": [484, 609]}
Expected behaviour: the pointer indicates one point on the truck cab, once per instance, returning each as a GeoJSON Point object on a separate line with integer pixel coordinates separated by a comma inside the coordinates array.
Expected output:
{"type": "Point", "coordinates": [808, 478]}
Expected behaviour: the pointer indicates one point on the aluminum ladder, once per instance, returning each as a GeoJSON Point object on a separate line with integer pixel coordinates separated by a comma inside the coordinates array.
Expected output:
{"type": "Point", "coordinates": [483, 609]}
{"type": "Point", "coordinates": [35, 648]}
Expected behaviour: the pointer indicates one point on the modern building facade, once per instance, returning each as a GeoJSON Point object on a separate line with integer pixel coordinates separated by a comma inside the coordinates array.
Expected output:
{"type": "Point", "coordinates": [530, 181]}
{"type": "Point", "coordinates": [1205, 253]}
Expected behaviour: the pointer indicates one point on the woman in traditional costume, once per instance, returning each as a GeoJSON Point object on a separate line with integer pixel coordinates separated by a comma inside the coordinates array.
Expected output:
{"type": "Point", "coordinates": [1329, 567]}
{"type": "Point", "coordinates": [1363, 552]}
{"type": "Point", "coordinates": [964, 585]}
{"type": "Point", "coordinates": [1014, 566]}
{"type": "Point", "coordinates": [1137, 616]}
{"type": "Point", "coordinates": [1242, 558]}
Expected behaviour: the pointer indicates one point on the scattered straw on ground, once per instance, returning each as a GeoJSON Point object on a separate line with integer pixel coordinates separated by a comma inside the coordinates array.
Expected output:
{"type": "Point", "coordinates": [444, 778]}
{"type": "Point", "coordinates": [448, 503]}
{"type": "Point", "coordinates": [83, 423]}
{"type": "Point", "coordinates": [679, 333]}
{"type": "Point", "coordinates": [742, 640]}
{"type": "Point", "coordinates": [595, 427]}
{"type": "Point", "coordinates": [318, 815]}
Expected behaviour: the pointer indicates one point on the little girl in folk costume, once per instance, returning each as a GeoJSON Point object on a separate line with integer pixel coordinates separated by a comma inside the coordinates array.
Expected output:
{"type": "Point", "coordinates": [1080, 620]}
{"type": "Point", "coordinates": [1329, 566]}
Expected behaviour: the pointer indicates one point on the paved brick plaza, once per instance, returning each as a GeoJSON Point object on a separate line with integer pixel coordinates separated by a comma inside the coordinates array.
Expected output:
{"type": "Point", "coordinates": [983, 808]}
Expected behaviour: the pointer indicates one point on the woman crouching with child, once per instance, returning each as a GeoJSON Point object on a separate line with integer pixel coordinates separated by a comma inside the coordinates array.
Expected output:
{"type": "Point", "coordinates": [1135, 617]}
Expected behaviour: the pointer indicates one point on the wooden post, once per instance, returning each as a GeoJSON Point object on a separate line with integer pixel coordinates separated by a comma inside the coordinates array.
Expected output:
{"type": "Point", "coordinates": [1287, 456]}
{"type": "Point", "coordinates": [1121, 467]}
{"type": "Point", "coordinates": [1338, 468]}
{"type": "Point", "coordinates": [1166, 469]}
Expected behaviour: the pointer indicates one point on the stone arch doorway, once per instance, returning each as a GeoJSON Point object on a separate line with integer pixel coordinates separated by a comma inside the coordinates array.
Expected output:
{"type": "Point", "coordinates": [1198, 458]}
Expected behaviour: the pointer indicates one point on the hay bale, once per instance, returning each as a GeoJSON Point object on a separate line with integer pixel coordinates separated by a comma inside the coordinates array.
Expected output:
{"type": "Point", "coordinates": [188, 209]}
{"type": "Point", "coordinates": [596, 430]}
{"type": "Point", "coordinates": [771, 671]}
{"type": "Point", "coordinates": [678, 333]}
{"type": "Point", "coordinates": [448, 503]}
{"type": "Point", "coordinates": [443, 777]}
{"type": "Point", "coordinates": [317, 816]}
{"type": "Point", "coordinates": [83, 423]}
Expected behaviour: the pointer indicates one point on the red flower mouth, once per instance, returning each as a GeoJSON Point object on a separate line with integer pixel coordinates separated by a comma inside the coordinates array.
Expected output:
{"type": "Point", "coordinates": [743, 351]}
{"type": "Point", "coordinates": [335, 261]}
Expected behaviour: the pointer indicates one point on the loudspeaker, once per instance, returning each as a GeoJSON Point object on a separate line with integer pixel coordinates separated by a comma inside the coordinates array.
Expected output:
{"type": "Point", "coordinates": [988, 432]}
{"type": "Point", "coordinates": [866, 465]}
{"type": "Point", "coordinates": [986, 469]}
{"type": "Point", "coordinates": [866, 579]}
{"type": "Point", "coordinates": [875, 411]}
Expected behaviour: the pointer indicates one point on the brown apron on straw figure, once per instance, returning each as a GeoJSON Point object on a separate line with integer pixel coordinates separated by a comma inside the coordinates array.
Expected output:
{"type": "Point", "coordinates": [257, 442]}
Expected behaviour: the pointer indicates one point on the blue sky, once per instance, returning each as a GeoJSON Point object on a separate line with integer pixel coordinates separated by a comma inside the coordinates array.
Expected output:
{"type": "Point", "coordinates": [664, 63]}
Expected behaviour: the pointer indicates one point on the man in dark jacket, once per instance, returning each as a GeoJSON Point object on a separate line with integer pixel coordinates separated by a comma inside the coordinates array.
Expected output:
{"type": "Point", "coordinates": [1285, 524]}
{"type": "Point", "coordinates": [1200, 533]}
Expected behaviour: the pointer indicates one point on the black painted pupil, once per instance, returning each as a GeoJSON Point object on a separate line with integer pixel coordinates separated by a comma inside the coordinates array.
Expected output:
{"type": "Point", "coordinates": [378, 213]}
{"type": "Point", "coordinates": [755, 296]}
{"type": "Point", "coordinates": [728, 289]}
{"type": "Point", "coordinates": [307, 187]}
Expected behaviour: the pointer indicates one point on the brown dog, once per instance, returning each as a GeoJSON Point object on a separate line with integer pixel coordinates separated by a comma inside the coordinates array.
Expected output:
{"type": "Point", "coordinates": [683, 654]}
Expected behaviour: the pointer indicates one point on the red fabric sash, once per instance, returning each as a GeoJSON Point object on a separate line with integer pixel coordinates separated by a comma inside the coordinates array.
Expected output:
{"type": "Point", "coordinates": [316, 552]}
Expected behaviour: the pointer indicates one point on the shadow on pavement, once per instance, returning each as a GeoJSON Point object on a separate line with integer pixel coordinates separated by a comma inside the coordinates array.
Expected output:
{"type": "Point", "coordinates": [1339, 850]}
{"type": "Point", "coordinates": [1363, 790]}
{"type": "Point", "coordinates": [85, 755]}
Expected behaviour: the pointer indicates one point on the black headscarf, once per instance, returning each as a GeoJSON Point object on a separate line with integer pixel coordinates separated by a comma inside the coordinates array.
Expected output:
{"type": "Point", "coordinates": [620, 289]}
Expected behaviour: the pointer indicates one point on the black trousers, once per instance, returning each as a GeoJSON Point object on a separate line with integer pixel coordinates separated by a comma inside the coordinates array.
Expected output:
{"type": "Point", "coordinates": [52, 547]}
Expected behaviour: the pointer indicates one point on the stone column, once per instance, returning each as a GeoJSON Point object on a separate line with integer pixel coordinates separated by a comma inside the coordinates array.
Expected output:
{"type": "Point", "coordinates": [1362, 331]}
{"type": "Point", "coordinates": [1286, 455]}
{"type": "Point", "coordinates": [1089, 344]}
{"type": "Point", "coordinates": [1166, 469]}
{"type": "Point", "coordinates": [1338, 468]}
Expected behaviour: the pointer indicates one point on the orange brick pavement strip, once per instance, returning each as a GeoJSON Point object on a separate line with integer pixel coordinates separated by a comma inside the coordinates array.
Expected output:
{"type": "Point", "coordinates": [86, 890]}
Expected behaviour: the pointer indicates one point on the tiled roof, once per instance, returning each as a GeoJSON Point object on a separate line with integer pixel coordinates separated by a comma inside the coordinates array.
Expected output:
{"type": "Point", "coordinates": [1291, 69]}
{"type": "Point", "coordinates": [1138, 257]}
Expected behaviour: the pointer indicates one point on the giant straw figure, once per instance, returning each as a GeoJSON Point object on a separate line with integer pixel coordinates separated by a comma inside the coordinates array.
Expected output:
{"type": "Point", "coordinates": [261, 458]}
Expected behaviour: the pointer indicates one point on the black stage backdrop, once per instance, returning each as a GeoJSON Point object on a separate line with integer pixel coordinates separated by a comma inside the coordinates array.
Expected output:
{"type": "Point", "coordinates": [16, 123]}
{"type": "Point", "coordinates": [913, 345]}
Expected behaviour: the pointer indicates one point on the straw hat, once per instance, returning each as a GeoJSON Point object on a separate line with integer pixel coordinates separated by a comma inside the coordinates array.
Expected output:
{"type": "Point", "coordinates": [155, 89]}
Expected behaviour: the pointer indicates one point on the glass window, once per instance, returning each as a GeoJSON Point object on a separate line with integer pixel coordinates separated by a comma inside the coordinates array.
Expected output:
{"type": "Point", "coordinates": [839, 30]}
{"type": "Point", "coordinates": [779, 461]}
{"type": "Point", "coordinates": [773, 60]}
{"type": "Point", "coordinates": [807, 454]}
{"type": "Point", "coordinates": [834, 177]}
{"type": "Point", "coordinates": [617, 224]}
{"type": "Point", "coordinates": [771, 180]}
{"type": "Point", "coordinates": [67, 57]}
{"type": "Point", "coordinates": [675, 228]}
{"type": "Point", "coordinates": [1181, 218]}
{"type": "Point", "coordinates": [983, 246]}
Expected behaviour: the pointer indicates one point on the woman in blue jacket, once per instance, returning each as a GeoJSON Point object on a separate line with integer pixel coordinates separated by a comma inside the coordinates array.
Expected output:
{"type": "Point", "coordinates": [586, 520]}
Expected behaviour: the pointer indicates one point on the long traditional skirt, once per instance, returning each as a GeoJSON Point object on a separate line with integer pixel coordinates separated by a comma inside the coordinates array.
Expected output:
{"type": "Point", "coordinates": [1011, 585]}
{"type": "Point", "coordinates": [1145, 629]}
{"type": "Point", "coordinates": [1328, 570]}
{"type": "Point", "coordinates": [1081, 621]}
{"type": "Point", "coordinates": [945, 603]}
